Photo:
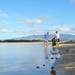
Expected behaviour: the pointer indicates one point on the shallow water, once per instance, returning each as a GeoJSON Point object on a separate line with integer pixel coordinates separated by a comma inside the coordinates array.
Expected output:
{"type": "Point", "coordinates": [23, 59]}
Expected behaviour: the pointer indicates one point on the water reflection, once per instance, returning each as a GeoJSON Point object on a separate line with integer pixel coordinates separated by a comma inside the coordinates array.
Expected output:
{"type": "Point", "coordinates": [22, 59]}
{"type": "Point", "coordinates": [51, 56]}
{"type": "Point", "coordinates": [55, 52]}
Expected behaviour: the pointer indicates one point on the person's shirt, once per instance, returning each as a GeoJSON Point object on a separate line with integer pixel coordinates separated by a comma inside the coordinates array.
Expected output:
{"type": "Point", "coordinates": [57, 36]}
{"type": "Point", "coordinates": [46, 37]}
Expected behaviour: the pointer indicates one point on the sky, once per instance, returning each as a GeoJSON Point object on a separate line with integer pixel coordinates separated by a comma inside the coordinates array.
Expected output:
{"type": "Point", "coordinates": [20, 18]}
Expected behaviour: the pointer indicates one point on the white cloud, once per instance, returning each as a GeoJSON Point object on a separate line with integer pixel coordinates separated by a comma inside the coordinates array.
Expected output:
{"type": "Point", "coordinates": [9, 23]}
{"type": "Point", "coordinates": [4, 30]}
{"type": "Point", "coordinates": [63, 29]}
{"type": "Point", "coordinates": [31, 22]}
{"type": "Point", "coordinates": [4, 15]}
{"type": "Point", "coordinates": [34, 22]}
{"type": "Point", "coordinates": [37, 21]}
{"type": "Point", "coordinates": [44, 16]}
{"type": "Point", "coordinates": [22, 31]}
{"type": "Point", "coordinates": [3, 22]}
{"type": "Point", "coordinates": [18, 30]}
{"type": "Point", "coordinates": [59, 28]}
{"type": "Point", "coordinates": [37, 31]}
{"type": "Point", "coordinates": [50, 16]}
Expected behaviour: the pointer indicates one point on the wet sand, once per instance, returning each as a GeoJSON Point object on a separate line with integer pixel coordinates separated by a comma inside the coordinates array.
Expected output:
{"type": "Point", "coordinates": [66, 63]}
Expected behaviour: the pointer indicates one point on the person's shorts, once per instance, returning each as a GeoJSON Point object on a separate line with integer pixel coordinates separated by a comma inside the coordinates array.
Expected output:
{"type": "Point", "coordinates": [46, 40]}
{"type": "Point", "coordinates": [57, 40]}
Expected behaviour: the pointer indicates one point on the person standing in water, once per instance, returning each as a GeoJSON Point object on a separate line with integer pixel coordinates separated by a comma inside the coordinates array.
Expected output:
{"type": "Point", "coordinates": [57, 38]}
{"type": "Point", "coordinates": [46, 39]}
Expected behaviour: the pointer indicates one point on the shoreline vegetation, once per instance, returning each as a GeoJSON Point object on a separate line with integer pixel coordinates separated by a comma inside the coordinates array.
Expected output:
{"type": "Point", "coordinates": [34, 40]}
{"type": "Point", "coordinates": [26, 41]}
{"type": "Point", "coordinates": [62, 42]}
{"type": "Point", "coordinates": [21, 40]}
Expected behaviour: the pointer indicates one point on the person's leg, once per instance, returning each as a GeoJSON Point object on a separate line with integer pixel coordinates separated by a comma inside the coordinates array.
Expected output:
{"type": "Point", "coordinates": [46, 45]}
{"type": "Point", "coordinates": [58, 42]}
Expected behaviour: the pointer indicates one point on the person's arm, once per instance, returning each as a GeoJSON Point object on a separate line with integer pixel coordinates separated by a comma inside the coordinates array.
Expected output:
{"type": "Point", "coordinates": [51, 37]}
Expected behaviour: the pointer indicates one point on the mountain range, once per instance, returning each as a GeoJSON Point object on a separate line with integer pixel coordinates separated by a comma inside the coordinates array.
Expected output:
{"type": "Point", "coordinates": [40, 37]}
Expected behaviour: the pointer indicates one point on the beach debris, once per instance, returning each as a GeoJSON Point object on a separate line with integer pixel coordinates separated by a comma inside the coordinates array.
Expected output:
{"type": "Point", "coordinates": [53, 72]}
{"type": "Point", "coordinates": [46, 57]}
{"type": "Point", "coordinates": [37, 67]}
{"type": "Point", "coordinates": [52, 58]}
{"type": "Point", "coordinates": [67, 50]}
{"type": "Point", "coordinates": [43, 64]}
{"type": "Point", "coordinates": [56, 58]}
{"type": "Point", "coordinates": [60, 53]}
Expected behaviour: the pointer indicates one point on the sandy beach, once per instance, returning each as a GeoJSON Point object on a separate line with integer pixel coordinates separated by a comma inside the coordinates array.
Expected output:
{"type": "Point", "coordinates": [66, 63]}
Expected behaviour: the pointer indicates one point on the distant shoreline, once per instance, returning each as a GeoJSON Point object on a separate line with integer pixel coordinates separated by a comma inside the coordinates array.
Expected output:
{"type": "Point", "coordinates": [50, 43]}
{"type": "Point", "coordinates": [21, 42]}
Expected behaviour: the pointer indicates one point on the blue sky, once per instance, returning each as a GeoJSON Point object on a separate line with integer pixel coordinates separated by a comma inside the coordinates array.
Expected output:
{"type": "Point", "coordinates": [20, 18]}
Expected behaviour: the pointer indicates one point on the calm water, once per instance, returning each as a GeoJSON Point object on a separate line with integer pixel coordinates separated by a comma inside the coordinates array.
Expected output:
{"type": "Point", "coordinates": [22, 59]}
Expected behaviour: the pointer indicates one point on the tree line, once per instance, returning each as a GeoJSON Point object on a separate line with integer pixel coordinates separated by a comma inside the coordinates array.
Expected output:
{"type": "Point", "coordinates": [22, 40]}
